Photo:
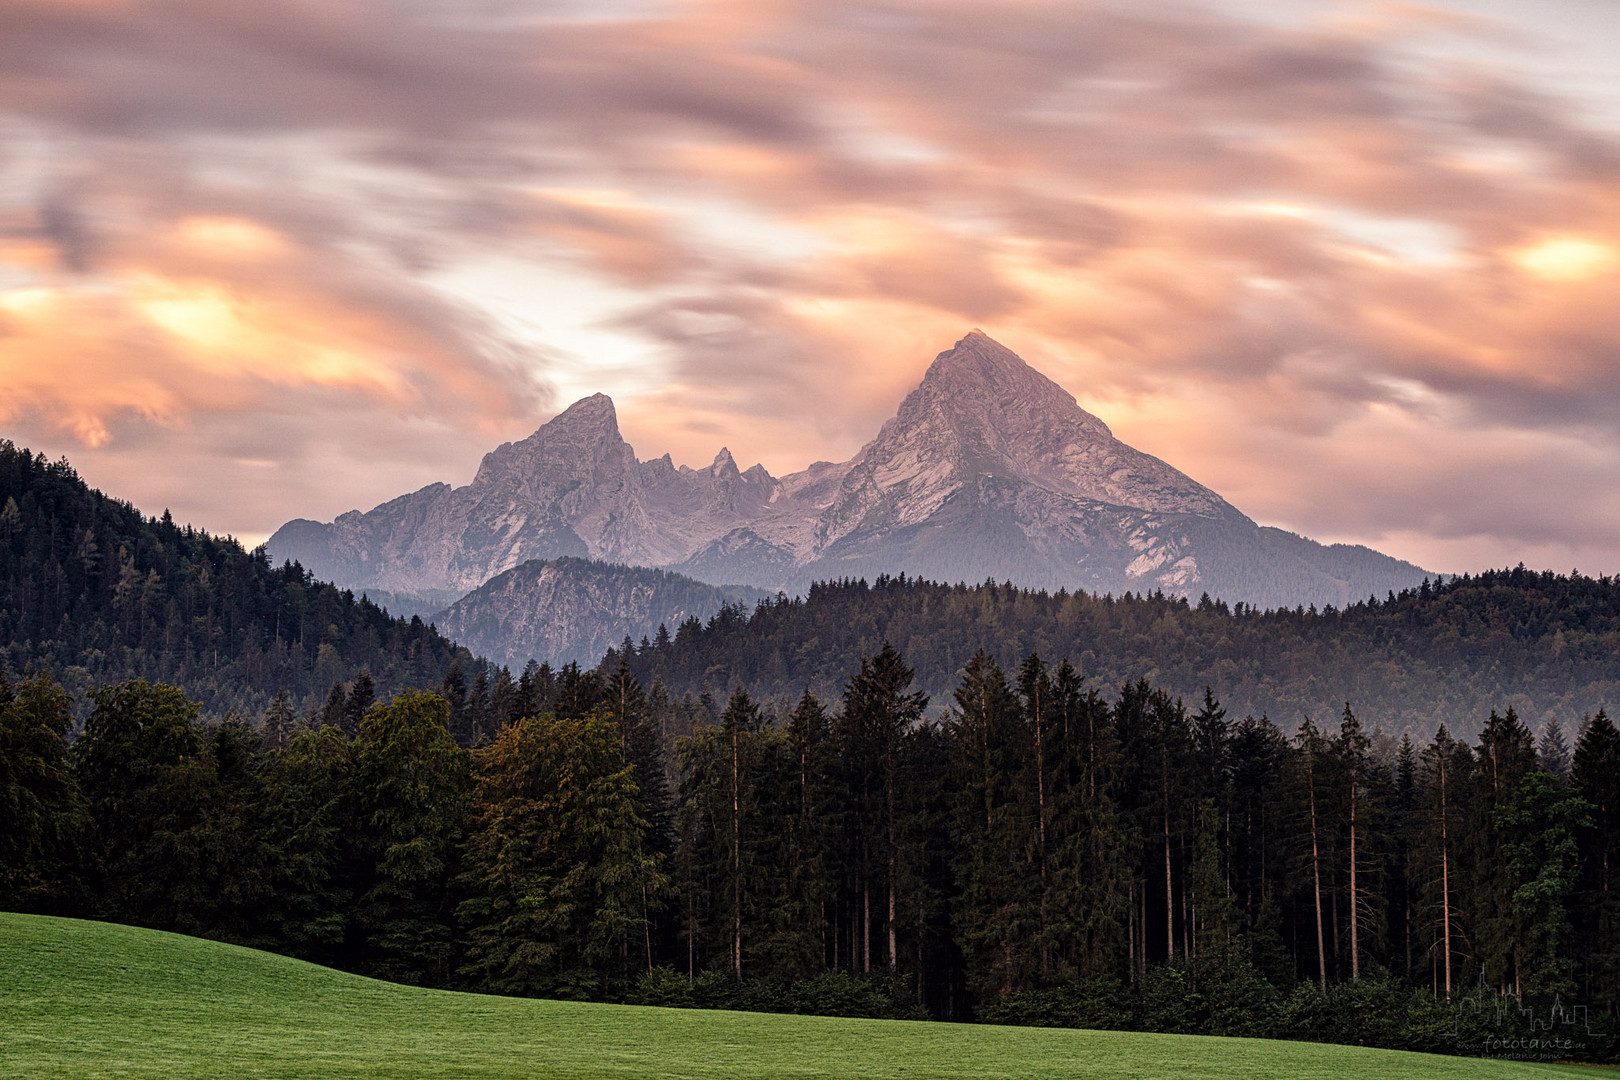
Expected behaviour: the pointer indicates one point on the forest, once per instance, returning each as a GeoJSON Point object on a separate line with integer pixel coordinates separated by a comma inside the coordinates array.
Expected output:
{"type": "Point", "coordinates": [96, 593]}
{"type": "Point", "coordinates": [1045, 853]}
{"type": "Point", "coordinates": [1450, 651]}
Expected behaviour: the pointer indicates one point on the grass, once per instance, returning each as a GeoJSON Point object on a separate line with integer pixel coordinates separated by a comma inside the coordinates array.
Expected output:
{"type": "Point", "coordinates": [91, 1000]}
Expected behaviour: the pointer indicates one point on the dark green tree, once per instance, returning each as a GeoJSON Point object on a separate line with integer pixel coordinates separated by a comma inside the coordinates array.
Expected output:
{"type": "Point", "coordinates": [42, 815]}
{"type": "Point", "coordinates": [556, 866]}
{"type": "Point", "coordinates": [410, 786]}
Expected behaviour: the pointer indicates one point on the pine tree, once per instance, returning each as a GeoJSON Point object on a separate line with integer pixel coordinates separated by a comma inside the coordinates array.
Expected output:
{"type": "Point", "coordinates": [998, 912]}
{"type": "Point", "coordinates": [306, 825]}
{"type": "Point", "coordinates": [42, 814]}
{"type": "Point", "coordinates": [1505, 755]}
{"type": "Point", "coordinates": [578, 692]}
{"type": "Point", "coordinates": [1262, 812]}
{"type": "Point", "coordinates": [1595, 775]}
{"type": "Point", "coordinates": [879, 708]}
{"type": "Point", "coordinates": [480, 710]}
{"type": "Point", "coordinates": [502, 700]}
{"type": "Point", "coordinates": [809, 739]}
{"type": "Point", "coordinates": [1311, 752]}
{"type": "Point", "coordinates": [528, 699]}
{"type": "Point", "coordinates": [410, 787]}
{"type": "Point", "coordinates": [1447, 769]}
{"type": "Point", "coordinates": [331, 714]}
{"type": "Point", "coordinates": [279, 720]}
{"type": "Point", "coordinates": [362, 695]}
{"type": "Point", "coordinates": [454, 692]}
{"type": "Point", "coordinates": [1552, 749]}
{"type": "Point", "coordinates": [1355, 766]}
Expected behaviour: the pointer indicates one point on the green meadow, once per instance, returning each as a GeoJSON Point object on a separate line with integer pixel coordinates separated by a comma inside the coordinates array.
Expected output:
{"type": "Point", "coordinates": [87, 1000]}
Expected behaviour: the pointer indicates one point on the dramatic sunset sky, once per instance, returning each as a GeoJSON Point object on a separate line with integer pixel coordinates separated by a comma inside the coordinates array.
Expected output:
{"type": "Point", "coordinates": [1354, 265]}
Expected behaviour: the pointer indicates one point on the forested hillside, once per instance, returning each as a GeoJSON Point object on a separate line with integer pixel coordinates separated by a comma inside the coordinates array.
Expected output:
{"type": "Point", "coordinates": [96, 592]}
{"type": "Point", "coordinates": [1547, 645]}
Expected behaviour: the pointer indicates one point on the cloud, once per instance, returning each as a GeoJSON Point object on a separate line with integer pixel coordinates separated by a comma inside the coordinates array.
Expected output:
{"type": "Point", "coordinates": [1254, 248]}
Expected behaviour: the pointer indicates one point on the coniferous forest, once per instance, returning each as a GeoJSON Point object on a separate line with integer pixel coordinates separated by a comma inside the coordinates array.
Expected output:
{"type": "Point", "coordinates": [97, 593]}
{"type": "Point", "coordinates": [1046, 854]}
{"type": "Point", "coordinates": [1545, 644]}
{"type": "Point", "coordinates": [1043, 846]}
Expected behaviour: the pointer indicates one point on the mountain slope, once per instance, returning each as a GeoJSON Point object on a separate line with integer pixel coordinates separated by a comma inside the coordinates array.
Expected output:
{"type": "Point", "coordinates": [96, 592]}
{"type": "Point", "coordinates": [988, 469]}
{"type": "Point", "coordinates": [1545, 644]}
{"type": "Point", "coordinates": [572, 609]}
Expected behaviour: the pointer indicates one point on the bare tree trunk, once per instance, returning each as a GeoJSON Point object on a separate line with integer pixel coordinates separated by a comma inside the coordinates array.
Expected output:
{"type": "Point", "coordinates": [1169, 891]}
{"type": "Point", "coordinates": [1040, 809]}
{"type": "Point", "coordinates": [1445, 874]}
{"type": "Point", "coordinates": [893, 955]}
{"type": "Point", "coordinates": [1355, 922]}
{"type": "Point", "coordinates": [1316, 872]}
{"type": "Point", "coordinates": [1130, 932]}
{"type": "Point", "coordinates": [646, 925]}
{"type": "Point", "coordinates": [866, 927]}
{"type": "Point", "coordinates": [736, 852]}
{"type": "Point", "coordinates": [893, 853]}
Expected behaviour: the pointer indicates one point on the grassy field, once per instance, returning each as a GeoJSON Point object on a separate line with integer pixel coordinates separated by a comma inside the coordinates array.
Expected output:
{"type": "Point", "coordinates": [91, 1000]}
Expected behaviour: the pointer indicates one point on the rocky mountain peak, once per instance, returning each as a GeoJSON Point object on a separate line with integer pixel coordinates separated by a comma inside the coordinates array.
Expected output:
{"type": "Point", "coordinates": [987, 467]}
{"type": "Point", "coordinates": [981, 414]}
{"type": "Point", "coordinates": [724, 464]}
{"type": "Point", "coordinates": [594, 413]}
{"type": "Point", "coordinates": [987, 392]}
{"type": "Point", "coordinates": [585, 432]}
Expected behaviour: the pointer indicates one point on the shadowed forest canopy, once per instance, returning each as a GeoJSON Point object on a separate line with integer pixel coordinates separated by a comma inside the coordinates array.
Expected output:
{"type": "Point", "coordinates": [96, 593]}
{"type": "Point", "coordinates": [1449, 652]}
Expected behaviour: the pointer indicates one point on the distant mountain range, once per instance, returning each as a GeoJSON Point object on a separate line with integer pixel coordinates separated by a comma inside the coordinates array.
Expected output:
{"type": "Point", "coordinates": [988, 470]}
{"type": "Point", "coordinates": [574, 609]}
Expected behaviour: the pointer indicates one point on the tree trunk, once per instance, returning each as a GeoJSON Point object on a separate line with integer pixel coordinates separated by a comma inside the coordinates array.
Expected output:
{"type": "Point", "coordinates": [866, 927]}
{"type": "Point", "coordinates": [1355, 923]}
{"type": "Point", "coordinates": [1040, 810]}
{"type": "Point", "coordinates": [1169, 891]}
{"type": "Point", "coordinates": [893, 852]}
{"type": "Point", "coordinates": [1130, 930]}
{"type": "Point", "coordinates": [1445, 875]}
{"type": "Point", "coordinates": [736, 852]}
{"type": "Point", "coordinates": [1316, 872]}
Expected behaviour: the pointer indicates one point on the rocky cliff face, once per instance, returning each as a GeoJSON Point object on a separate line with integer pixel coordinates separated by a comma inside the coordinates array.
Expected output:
{"type": "Point", "coordinates": [989, 469]}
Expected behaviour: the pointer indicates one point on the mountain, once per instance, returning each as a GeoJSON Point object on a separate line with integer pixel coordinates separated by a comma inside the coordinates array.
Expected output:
{"type": "Point", "coordinates": [573, 609]}
{"type": "Point", "coordinates": [988, 469]}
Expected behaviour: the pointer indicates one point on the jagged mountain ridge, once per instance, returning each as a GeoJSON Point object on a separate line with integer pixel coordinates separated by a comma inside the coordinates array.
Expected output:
{"type": "Point", "coordinates": [988, 469]}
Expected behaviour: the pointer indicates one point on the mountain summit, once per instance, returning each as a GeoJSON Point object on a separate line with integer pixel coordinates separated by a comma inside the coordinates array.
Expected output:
{"type": "Point", "coordinates": [988, 469]}
{"type": "Point", "coordinates": [980, 414]}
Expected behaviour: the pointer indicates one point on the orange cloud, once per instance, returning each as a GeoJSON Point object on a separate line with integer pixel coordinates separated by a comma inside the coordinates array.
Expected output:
{"type": "Point", "coordinates": [1245, 244]}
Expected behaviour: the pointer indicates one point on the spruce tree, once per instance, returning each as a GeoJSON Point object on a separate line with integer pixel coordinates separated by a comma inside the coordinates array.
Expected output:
{"type": "Point", "coordinates": [879, 708]}
{"type": "Point", "coordinates": [279, 720]}
{"type": "Point", "coordinates": [362, 695]}
{"type": "Point", "coordinates": [998, 913]}
{"type": "Point", "coordinates": [42, 813]}
{"type": "Point", "coordinates": [331, 714]}
{"type": "Point", "coordinates": [480, 710]}
{"type": "Point", "coordinates": [454, 692]}
{"type": "Point", "coordinates": [1595, 775]}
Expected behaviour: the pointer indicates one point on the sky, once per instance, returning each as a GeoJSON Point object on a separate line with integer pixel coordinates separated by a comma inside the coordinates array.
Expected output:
{"type": "Point", "coordinates": [1354, 265]}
